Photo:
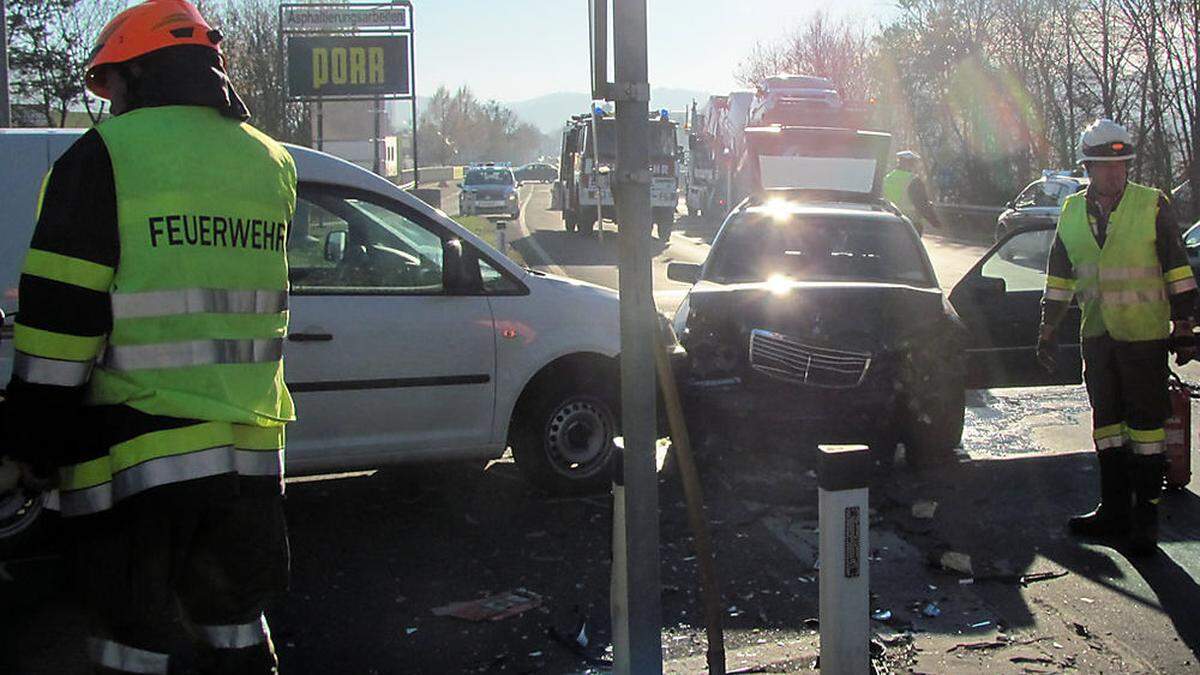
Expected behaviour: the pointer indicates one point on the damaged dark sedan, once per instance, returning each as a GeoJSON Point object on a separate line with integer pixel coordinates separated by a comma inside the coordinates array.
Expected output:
{"type": "Point", "coordinates": [821, 318]}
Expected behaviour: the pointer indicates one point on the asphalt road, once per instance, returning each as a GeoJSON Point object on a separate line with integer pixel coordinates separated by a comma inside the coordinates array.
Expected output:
{"type": "Point", "coordinates": [374, 553]}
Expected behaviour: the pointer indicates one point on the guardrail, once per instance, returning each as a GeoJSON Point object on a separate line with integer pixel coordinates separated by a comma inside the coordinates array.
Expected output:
{"type": "Point", "coordinates": [429, 174]}
{"type": "Point", "coordinates": [969, 221]}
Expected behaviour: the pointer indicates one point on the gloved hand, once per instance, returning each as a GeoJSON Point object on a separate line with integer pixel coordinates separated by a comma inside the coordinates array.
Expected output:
{"type": "Point", "coordinates": [1183, 342]}
{"type": "Point", "coordinates": [1047, 349]}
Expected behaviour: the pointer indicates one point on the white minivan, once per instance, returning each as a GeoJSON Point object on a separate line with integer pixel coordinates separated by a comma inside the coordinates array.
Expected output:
{"type": "Point", "coordinates": [411, 339]}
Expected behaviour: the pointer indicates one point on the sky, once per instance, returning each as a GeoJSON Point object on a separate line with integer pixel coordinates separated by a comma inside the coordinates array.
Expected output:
{"type": "Point", "coordinates": [513, 50]}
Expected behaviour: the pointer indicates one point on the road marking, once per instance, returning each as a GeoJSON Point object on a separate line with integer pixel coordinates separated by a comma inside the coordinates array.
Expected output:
{"type": "Point", "coordinates": [548, 262]}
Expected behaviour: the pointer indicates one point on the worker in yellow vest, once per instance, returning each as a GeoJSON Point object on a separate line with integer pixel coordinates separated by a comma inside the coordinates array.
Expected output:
{"type": "Point", "coordinates": [1118, 253]}
{"type": "Point", "coordinates": [904, 187]}
{"type": "Point", "coordinates": [148, 373]}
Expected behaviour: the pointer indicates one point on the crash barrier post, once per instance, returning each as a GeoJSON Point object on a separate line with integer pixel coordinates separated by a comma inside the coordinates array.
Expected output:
{"type": "Point", "coordinates": [502, 236]}
{"type": "Point", "coordinates": [618, 608]}
{"type": "Point", "coordinates": [843, 472]}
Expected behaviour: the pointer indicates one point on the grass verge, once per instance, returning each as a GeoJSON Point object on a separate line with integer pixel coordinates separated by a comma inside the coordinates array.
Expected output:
{"type": "Point", "coordinates": [485, 229]}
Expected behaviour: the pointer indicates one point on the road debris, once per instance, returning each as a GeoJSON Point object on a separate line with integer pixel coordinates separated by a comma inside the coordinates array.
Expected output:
{"type": "Point", "coordinates": [492, 608]}
{"type": "Point", "coordinates": [1042, 576]}
{"type": "Point", "coordinates": [1082, 630]}
{"type": "Point", "coordinates": [981, 624]}
{"type": "Point", "coordinates": [956, 562]}
{"type": "Point", "coordinates": [924, 510]}
{"type": "Point", "coordinates": [931, 610]}
{"type": "Point", "coordinates": [978, 646]}
{"type": "Point", "coordinates": [882, 615]}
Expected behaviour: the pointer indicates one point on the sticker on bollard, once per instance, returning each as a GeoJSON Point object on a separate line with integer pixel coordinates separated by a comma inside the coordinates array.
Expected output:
{"type": "Point", "coordinates": [853, 542]}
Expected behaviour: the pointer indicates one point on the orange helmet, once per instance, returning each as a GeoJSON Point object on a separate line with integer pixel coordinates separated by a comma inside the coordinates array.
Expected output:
{"type": "Point", "coordinates": [144, 28]}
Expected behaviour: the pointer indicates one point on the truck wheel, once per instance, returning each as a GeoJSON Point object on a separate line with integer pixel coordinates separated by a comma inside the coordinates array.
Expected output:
{"type": "Point", "coordinates": [562, 440]}
{"type": "Point", "coordinates": [25, 523]}
{"type": "Point", "coordinates": [569, 222]}
{"type": "Point", "coordinates": [692, 211]}
{"type": "Point", "coordinates": [586, 225]}
{"type": "Point", "coordinates": [934, 430]}
{"type": "Point", "coordinates": [664, 228]}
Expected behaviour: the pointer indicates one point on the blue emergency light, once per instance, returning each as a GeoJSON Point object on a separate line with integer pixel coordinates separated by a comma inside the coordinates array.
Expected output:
{"type": "Point", "coordinates": [664, 115]}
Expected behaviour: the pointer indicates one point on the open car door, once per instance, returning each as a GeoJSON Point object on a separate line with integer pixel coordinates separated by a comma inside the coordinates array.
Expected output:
{"type": "Point", "coordinates": [1000, 302]}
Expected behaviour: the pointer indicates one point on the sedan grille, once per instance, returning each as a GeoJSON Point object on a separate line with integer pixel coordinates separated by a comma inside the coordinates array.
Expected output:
{"type": "Point", "coordinates": [782, 357]}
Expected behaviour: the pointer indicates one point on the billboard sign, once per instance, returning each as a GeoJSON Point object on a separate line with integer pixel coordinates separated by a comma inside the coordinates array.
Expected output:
{"type": "Point", "coordinates": [325, 18]}
{"type": "Point", "coordinates": [349, 66]}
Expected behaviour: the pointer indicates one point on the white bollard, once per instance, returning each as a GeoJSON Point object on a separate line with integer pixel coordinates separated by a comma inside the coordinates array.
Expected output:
{"type": "Point", "coordinates": [843, 474]}
{"type": "Point", "coordinates": [502, 236]}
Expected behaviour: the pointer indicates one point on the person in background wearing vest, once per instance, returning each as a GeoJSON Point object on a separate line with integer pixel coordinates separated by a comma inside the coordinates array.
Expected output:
{"type": "Point", "coordinates": [904, 188]}
{"type": "Point", "coordinates": [1118, 253]}
{"type": "Point", "coordinates": [148, 375]}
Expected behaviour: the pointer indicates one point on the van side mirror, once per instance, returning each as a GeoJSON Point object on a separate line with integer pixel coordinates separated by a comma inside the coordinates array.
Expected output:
{"type": "Point", "coordinates": [335, 246]}
{"type": "Point", "coordinates": [688, 273]}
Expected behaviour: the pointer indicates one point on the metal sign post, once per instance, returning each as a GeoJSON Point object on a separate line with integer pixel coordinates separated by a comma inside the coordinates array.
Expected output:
{"type": "Point", "coordinates": [843, 472]}
{"type": "Point", "coordinates": [350, 51]}
{"type": "Point", "coordinates": [637, 607]}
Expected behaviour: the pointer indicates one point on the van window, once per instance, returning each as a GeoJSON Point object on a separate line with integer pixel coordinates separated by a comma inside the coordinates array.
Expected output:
{"type": "Point", "coordinates": [343, 243]}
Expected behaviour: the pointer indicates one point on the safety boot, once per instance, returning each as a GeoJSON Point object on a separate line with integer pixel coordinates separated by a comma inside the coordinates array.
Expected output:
{"type": "Point", "coordinates": [1111, 516]}
{"type": "Point", "coordinates": [1147, 476]}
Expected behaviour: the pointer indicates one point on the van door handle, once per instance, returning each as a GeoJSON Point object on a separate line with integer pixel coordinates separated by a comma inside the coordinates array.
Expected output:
{"type": "Point", "coordinates": [310, 337]}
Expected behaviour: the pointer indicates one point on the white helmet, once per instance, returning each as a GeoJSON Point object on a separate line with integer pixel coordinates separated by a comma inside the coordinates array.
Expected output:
{"type": "Point", "coordinates": [1105, 141]}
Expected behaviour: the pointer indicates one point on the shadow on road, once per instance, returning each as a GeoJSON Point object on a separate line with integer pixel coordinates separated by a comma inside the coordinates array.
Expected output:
{"type": "Point", "coordinates": [373, 555]}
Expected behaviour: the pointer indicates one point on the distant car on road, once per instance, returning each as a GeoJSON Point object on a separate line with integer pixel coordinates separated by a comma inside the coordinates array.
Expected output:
{"type": "Point", "coordinates": [825, 318]}
{"type": "Point", "coordinates": [541, 173]}
{"type": "Point", "coordinates": [1040, 202]}
{"type": "Point", "coordinates": [489, 189]}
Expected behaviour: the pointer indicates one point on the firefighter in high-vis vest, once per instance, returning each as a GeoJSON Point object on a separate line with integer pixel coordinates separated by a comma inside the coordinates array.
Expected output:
{"type": "Point", "coordinates": [1118, 253]}
{"type": "Point", "coordinates": [904, 188]}
{"type": "Point", "coordinates": [148, 374]}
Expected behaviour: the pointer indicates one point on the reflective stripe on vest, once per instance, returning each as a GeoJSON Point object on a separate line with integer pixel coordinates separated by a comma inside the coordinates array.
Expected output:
{"type": "Point", "coordinates": [170, 456]}
{"type": "Point", "coordinates": [126, 659]}
{"type": "Point", "coordinates": [1120, 287]}
{"type": "Point", "coordinates": [197, 353]}
{"type": "Point", "coordinates": [39, 370]}
{"type": "Point", "coordinates": [237, 636]}
{"type": "Point", "coordinates": [197, 301]}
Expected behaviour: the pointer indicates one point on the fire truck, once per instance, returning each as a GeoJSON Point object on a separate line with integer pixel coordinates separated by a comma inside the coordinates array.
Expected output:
{"type": "Point", "coordinates": [778, 102]}
{"type": "Point", "coordinates": [589, 151]}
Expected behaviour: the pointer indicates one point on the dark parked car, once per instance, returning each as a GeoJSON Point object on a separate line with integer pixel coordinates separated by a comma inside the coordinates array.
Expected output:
{"type": "Point", "coordinates": [1191, 241]}
{"type": "Point", "coordinates": [826, 318]}
{"type": "Point", "coordinates": [542, 173]}
{"type": "Point", "coordinates": [1040, 202]}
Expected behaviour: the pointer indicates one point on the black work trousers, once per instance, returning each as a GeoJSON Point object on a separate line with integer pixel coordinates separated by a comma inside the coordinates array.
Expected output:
{"type": "Point", "coordinates": [1127, 387]}
{"type": "Point", "coordinates": [181, 585]}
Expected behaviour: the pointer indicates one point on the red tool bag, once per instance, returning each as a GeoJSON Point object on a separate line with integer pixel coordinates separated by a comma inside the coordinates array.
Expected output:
{"type": "Point", "coordinates": [1179, 433]}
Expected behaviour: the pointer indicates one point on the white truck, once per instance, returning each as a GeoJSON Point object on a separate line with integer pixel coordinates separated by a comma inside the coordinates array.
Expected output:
{"type": "Point", "coordinates": [411, 339]}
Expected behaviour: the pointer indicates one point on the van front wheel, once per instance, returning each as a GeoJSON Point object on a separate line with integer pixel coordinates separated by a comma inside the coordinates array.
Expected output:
{"type": "Point", "coordinates": [563, 439]}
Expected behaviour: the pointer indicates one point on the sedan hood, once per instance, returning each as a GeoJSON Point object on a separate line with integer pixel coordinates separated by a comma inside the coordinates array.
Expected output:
{"type": "Point", "coordinates": [861, 316]}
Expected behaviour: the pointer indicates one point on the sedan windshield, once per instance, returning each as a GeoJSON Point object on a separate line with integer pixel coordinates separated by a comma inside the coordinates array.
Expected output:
{"type": "Point", "coordinates": [811, 248]}
{"type": "Point", "coordinates": [489, 177]}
